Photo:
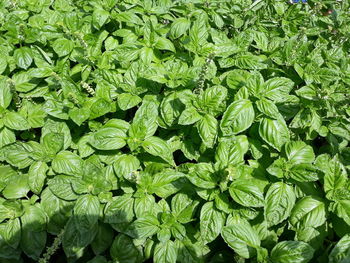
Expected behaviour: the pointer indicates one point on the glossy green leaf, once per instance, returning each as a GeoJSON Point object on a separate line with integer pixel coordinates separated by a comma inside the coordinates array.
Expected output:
{"type": "Point", "coordinates": [63, 47]}
{"type": "Point", "coordinates": [238, 117]}
{"type": "Point", "coordinates": [274, 132]}
{"type": "Point", "coordinates": [23, 57]}
{"type": "Point", "coordinates": [207, 129]}
{"type": "Point", "coordinates": [158, 147]}
{"type": "Point", "coordinates": [308, 211]}
{"type": "Point", "coordinates": [211, 222]}
{"type": "Point", "coordinates": [246, 193]}
{"type": "Point", "coordinates": [299, 152]}
{"type": "Point", "coordinates": [108, 138]}
{"type": "Point", "coordinates": [165, 252]}
{"type": "Point", "coordinates": [124, 250]}
{"type": "Point", "coordinates": [279, 201]}
{"type": "Point", "coordinates": [292, 252]}
{"type": "Point", "coordinates": [341, 251]}
{"type": "Point", "coordinates": [241, 237]}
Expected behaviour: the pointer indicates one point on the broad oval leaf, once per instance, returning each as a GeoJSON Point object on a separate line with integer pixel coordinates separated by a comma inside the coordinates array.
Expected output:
{"type": "Point", "coordinates": [68, 163]}
{"type": "Point", "coordinates": [279, 201]}
{"type": "Point", "coordinates": [211, 222]}
{"type": "Point", "coordinates": [15, 121]}
{"type": "Point", "coordinates": [207, 129]}
{"type": "Point", "coordinates": [124, 250]}
{"type": "Point", "coordinates": [108, 138]}
{"type": "Point", "coordinates": [165, 252]}
{"type": "Point", "coordinates": [308, 211]}
{"type": "Point", "coordinates": [158, 147]}
{"type": "Point", "coordinates": [274, 132]}
{"type": "Point", "coordinates": [246, 193]}
{"type": "Point", "coordinates": [292, 252]}
{"type": "Point", "coordinates": [86, 212]}
{"type": "Point", "coordinates": [23, 57]}
{"type": "Point", "coordinates": [241, 237]}
{"type": "Point", "coordinates": [341, 251]}
{"type": "Point", "coordinates": [237, 117]}
{"type": "Point", "coordinates": [299, 152]}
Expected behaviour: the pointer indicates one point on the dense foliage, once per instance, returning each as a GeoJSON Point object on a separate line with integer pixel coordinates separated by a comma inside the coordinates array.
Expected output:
{"type": "Point", "coordinates": [174, 131]}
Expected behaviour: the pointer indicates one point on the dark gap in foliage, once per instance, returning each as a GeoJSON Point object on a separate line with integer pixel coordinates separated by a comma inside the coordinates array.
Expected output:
{"type": "Point", "coordinates": [180, 158]}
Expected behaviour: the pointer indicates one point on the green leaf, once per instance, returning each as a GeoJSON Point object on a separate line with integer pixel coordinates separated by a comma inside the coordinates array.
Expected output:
{"type": "Point", "coordinates": [202, 175]}
{"type": "Point", "coordinates": [67, 163]}
{"type": "Point", "coordinates": [299, 152]}
{"type": "Point", "coordinates": [61, 186]}
{"type": "Point", "coordinates": [292, 252]}
{"type": "Point", "coordinates": [274, 132]}
{"type": "Point", "coordinates": [246, 193]}
{"type": "Point", "coordinates": [33, 243]}
{"type": "Point", "coordinates": [127, 101]}
{"type": "Point", "coordinates": [211, 222]}
{"type": "Point", "coordinates": [277, 89]}
{"type": "Point", "coordinates": [144, 227]}
{"type": "Point", "coordinates": [241, 237]}
{"type": "Point", "coordinates": [199, 31]}
{"type": "Point", "coordinates": [279, 201]}
{"type": "Point", "coordinates": [119, 210]}
{"type": "Point", "coordinates": [57, 127]}
{"type": "Point", "coordinates": [86, 212]}
{"type": "Point", "coordinates": [303, 173]}
{"type": "Point", "coordinates": [189, 252]}
{"type": "Point", "coordinates": [5, 94]}
{"type": "Point", "coordinates": [108, 138]}
{"type": "Point", "coordinates": [189, 116]}
{"type": "Point", "coordinates": [308, 211]}
{"type": "Point", "coordinates": [79, 115]}
{"type": "Point", "coordinates": [341, 251]}
{"type": "Point", "coordinates": [165, 252]}
{"type": "Point", "coordinates": [99, 108]}
{"type": "Point", "coordinates": [17, 187]}
{"type": "Point", "coordinates": [335, 177]}
{"type": "Point", "coordinates": [164, 44]}
{"type": "Point", "coordinates": [15, 121]}
{"type": "Point", "coordinates": [342, 209]}
{"type": "Point", "coordinates": [99, 18]}
{"type": "Point", "coordinates": [171, 108]}
{"type": "Point", "coordinates": [11, 232]}
{"type": "Point", "coordinates": [268, 108]}
{"type": "Point", "coordinates": [145, 121]}
{"type": "Point", "coordinates": [36, 176]}
{"type": "Point", "coordinates": [244, 60]}
{"type": "Point", "coordinates": [53, 142]}
{"type": "Point", "coordinates": [74, 242]}
{"type": "Point", "coordinates": [6, 137]}
{"type": "Point", "coordinates": [18, 155]}
{"type": "Point", "coordinates": [63, 46]}
{"type": "Point", "coordinates": [164, 183]}
{"type": "Point", "coordinates": [232, 151]}
{"type": "Point", "coordinates": [34, 218]}
{"type": "Point", "coordinates": [208, 129]}
{"type": "Point", "coordinates": [124, 250]}
{"type": "Point", "coordinates": [179, 27]}
{"type": "Point", "coordinates": [212, 100]}
{"type": "Point", "coordinates": [103, 239]}
{"type": "Point", "coordinates": [3, 64]}
{"type": "Point", "coordinates": [237, 78]}
{"type": "Point", "coordinates": [158, 147]}
{"type": "Point", "coordinates": [183, 207]}
{"type": "Point", "coordinates": [36, 116]}
{"type": "Point", "coordinates": [125, 165]}
{"type": "Point", "coordinates": [238, 117]}
{"type": "Point", "coordinates": [23, 57]}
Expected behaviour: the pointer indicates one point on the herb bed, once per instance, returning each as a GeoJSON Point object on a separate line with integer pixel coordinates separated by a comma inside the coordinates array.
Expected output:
{"type": "Point", "coordinates": [174, 131]}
